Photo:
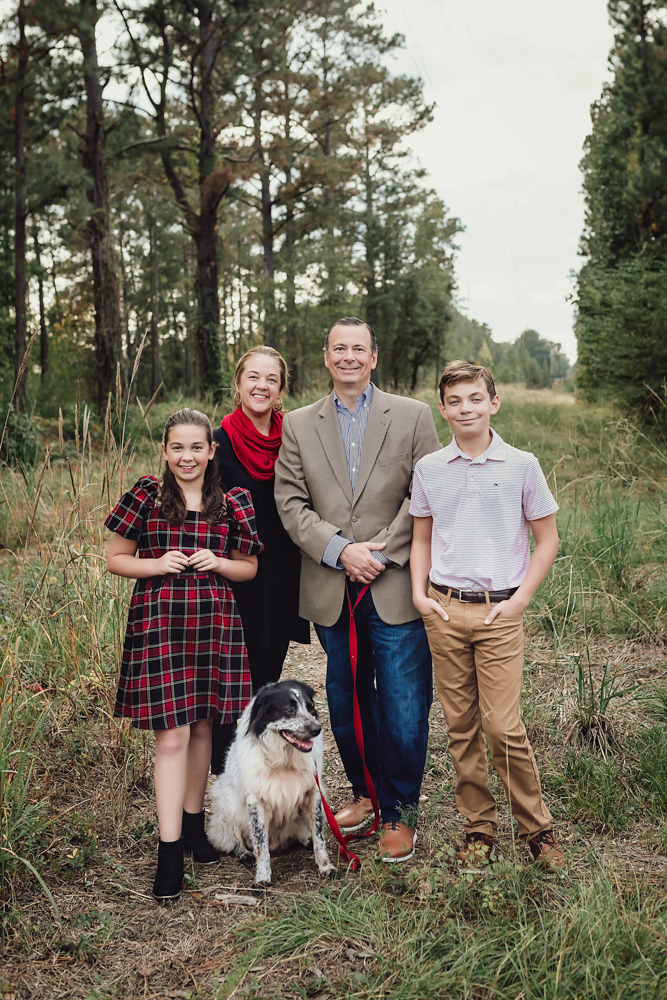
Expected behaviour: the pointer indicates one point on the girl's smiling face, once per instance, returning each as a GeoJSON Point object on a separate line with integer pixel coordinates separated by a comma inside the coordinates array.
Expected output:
{"type": "Point", "coordinates": [258, 385]}
{"type": "Point", "coordinates": [187, 453]}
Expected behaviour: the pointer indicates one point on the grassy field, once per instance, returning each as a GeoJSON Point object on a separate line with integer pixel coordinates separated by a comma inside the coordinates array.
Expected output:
{"type": "Point", "coordinates": [78, 826]}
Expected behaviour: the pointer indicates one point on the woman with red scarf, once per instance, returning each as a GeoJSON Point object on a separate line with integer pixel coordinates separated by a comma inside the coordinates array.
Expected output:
{"type": "Point", "coordinates": [248, 442]}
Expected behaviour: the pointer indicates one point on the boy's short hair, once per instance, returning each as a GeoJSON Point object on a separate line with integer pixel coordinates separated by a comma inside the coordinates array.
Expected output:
{"type": "Point", "coordinates": [463, 371]}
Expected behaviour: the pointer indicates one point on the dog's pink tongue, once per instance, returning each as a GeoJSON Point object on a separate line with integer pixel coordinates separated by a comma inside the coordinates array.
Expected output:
{"type": "Point", "coordinates": [302, 744]}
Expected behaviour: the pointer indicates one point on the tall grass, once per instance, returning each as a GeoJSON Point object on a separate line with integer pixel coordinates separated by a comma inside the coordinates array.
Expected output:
{"type": "Point", "coordinates": [62, 619]}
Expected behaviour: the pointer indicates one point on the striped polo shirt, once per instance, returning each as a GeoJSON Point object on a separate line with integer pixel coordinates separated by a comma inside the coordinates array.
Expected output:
{"type": "Point", "coordinates": [480, 509]}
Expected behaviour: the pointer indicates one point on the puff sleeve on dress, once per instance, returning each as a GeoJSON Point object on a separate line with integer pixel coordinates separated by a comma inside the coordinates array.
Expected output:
{"type": "Point", "coordinates": [242, 526]}
{"type": "Point", "coordinates": [128, 516]}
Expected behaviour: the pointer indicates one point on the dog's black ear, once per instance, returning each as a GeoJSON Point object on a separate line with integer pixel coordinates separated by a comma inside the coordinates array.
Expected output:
{"type": "Point", "coordinates": [309, 698]}
{"type": "Point", "coordinates": [260, 710]}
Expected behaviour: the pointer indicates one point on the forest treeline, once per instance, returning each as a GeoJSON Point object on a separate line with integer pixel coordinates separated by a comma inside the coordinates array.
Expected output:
{"type": "Point", "coordinates": [622, 287]}
{"type": "Point", "coordinates": [203, 175]}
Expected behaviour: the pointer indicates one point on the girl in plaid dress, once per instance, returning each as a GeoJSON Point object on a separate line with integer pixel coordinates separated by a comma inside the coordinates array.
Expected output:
{"type": "Point", "coordinates": [184, 660]}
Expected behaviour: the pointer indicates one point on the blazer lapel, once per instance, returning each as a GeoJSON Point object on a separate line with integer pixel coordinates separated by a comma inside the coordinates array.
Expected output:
{"type": "Point", "coordinates": [376, 428]}
{"type": "Point", "coordinates": [332, 442]}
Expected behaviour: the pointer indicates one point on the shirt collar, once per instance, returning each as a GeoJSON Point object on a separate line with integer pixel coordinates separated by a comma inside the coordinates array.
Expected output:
{"type": "Point", "coordinates": [494, 453]}
{"type": "Point", "coordinates": [363, 400]}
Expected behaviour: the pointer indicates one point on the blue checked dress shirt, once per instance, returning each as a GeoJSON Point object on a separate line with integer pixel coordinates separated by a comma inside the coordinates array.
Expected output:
{"type": "Point", "coordinates": [352, 430]}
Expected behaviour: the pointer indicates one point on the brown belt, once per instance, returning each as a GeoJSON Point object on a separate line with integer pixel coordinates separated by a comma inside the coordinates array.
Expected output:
{"type": "Point", "coordinates": [475, 596]}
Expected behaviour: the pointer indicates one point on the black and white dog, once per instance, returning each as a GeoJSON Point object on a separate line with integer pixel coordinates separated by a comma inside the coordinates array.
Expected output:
{"type": "Point", "coordinates": [267, 797]}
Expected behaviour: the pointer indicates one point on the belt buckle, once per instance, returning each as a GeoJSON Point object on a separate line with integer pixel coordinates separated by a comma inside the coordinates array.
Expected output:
{"type": "Point", "coordinates": [464, 600]}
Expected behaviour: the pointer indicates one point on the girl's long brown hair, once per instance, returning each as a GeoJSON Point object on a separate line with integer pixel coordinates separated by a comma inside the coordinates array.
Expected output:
{"type": "Point", "coordinates": [213, 501]}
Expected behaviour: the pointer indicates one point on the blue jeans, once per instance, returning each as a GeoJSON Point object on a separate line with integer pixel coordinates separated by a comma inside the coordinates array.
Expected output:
{"type": "Point", "coordinates": [395, 690]}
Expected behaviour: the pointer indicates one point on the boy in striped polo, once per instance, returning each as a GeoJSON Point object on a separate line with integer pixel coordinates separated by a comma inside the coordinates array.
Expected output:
{"type": "Point", "coordinates": [474, 505]}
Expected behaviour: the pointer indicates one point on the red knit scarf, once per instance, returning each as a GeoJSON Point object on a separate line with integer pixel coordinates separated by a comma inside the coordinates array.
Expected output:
{"type": "Point", "coordinates": [254, 451]}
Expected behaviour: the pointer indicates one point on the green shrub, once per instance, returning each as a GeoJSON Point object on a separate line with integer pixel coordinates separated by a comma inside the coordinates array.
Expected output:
{"type": "Point", "coordinates": [22, 441]}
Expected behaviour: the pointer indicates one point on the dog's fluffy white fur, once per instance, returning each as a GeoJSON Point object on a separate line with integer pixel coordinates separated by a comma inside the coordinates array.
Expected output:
{"type": "Point", "coordinates": [267, 797]}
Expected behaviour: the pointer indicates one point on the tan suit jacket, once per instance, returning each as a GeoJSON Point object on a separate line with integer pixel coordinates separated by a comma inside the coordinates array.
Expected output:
{"type": "Point", "coordinates": [315, 500]}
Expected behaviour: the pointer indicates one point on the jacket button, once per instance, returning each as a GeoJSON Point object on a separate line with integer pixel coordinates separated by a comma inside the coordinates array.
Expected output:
{"type": "Point", "coordinates": [355, 518]}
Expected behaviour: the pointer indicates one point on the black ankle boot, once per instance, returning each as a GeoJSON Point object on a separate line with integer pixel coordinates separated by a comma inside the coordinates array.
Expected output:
{"type": "Point", "coordinates": [169, 874]}
{"type": "Point", "coordinates": [195, 839]}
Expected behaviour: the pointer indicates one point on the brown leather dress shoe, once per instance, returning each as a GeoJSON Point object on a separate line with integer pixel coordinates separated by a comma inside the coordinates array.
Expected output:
{"type": "Point", "coordinates": [397, 842]}
{"type": "Point", "coordinates": [355, 814]}
{"type": "Point", "coordinates": [546, 852]}
{"type": "Point", "coordinates": [478, 852]}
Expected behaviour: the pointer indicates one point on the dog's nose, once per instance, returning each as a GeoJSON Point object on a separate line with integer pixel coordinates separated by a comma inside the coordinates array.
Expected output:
{"type": "Point", "coordinates": [315, 730]}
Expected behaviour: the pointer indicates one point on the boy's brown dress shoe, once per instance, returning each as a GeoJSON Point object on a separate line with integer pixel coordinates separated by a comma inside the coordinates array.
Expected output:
{"type": "Point", "coordinates": [478, 852]}
{"type": "Point", "coordinates": [355, 814]}
{"type": "Point", "coordinates": [546, 852]}
{"type": "Point", "coordinates": [397, 842]}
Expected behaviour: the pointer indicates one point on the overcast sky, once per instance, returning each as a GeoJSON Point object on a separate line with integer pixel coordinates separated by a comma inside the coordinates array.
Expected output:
{"type": "Point", "coordinates": [513, 82]}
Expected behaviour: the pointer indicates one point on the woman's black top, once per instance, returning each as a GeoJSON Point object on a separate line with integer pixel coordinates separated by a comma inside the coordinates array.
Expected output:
{"type": "Point", "coordinates": [268, 604]}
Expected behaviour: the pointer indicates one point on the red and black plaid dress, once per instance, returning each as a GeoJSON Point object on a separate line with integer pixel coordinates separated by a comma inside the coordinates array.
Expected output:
{"type": "Point", "coordinates": [184, 657]}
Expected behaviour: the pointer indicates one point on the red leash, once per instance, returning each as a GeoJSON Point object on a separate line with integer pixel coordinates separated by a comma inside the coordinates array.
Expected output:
{"type": "Point", "coordinates": [343, 841]}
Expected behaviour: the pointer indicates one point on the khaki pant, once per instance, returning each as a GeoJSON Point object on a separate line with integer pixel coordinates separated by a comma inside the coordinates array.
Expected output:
{"type": "Point", "coordinates": [478, 673]}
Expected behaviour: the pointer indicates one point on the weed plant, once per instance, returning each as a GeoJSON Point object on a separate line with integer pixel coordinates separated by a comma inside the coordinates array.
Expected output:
{"type": "Point", "coordinates": [595, 691]}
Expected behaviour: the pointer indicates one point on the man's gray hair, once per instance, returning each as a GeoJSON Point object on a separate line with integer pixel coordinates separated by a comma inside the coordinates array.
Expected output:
{"type": "Point", "coordinates": [352, 321]}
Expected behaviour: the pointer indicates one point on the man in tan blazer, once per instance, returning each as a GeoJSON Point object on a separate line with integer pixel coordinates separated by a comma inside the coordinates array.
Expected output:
{"type": "Point", "coordinates": [343, 481]}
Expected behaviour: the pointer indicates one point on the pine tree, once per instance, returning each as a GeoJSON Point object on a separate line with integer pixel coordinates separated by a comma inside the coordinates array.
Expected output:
{"type": "Point", "coordinates": [190, 58]}
{"type": "Point", "coordinates": [622, 288]}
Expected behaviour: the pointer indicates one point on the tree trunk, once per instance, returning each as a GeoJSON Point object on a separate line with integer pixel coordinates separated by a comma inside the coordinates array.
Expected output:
{"type": "Point", "coordinates": [20, 321]}
{"type": "Point", "coordinates": [56, 293]}
{"type": "Point", "coordinates": [224, 326]}
{"type": "Point", "coordinates": [108, 340]}
{"type": "Point", "coordinates": [207, 312]}
{"type": "Point", "coordinates": [416, 365]}
{"type": "Point", "coordinates": [43, 341]}
{"type": "Point", "coordinates": [371, 255]}
{"type": "Point", "coordinates": [124, 296]}
{"type": "Point", "coordinates": [269, 264]}
{"type": "Point", "coordinates": [227, 326]}
{"type": "Point", "coordinates": [268, 280]}
{"type": "Point", "coordinates": [327, 148]}
{"type": "Point", "coordinates": [644, 118]}
{"type": "Point", "coordinates": [156, 368]}
{"type": "Point", "coordinates": [189, 372]}
{"type": "Point", "coordinates": [212, 184]}
{"type": "Point", "coordinates": [291, 318]}
{"type": "Point", "coordinates": [239, 279]}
